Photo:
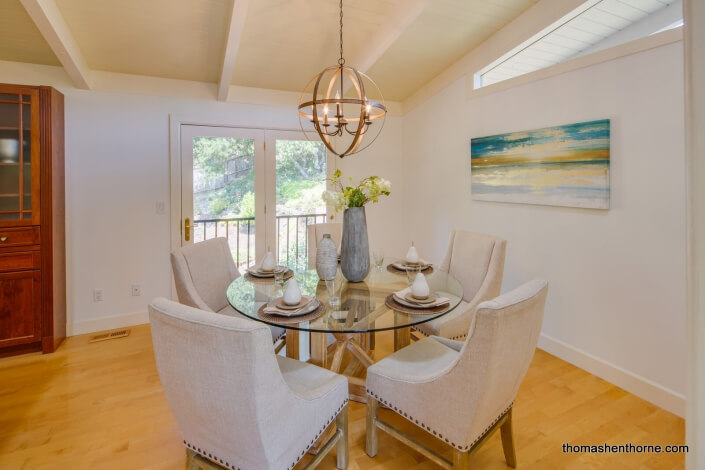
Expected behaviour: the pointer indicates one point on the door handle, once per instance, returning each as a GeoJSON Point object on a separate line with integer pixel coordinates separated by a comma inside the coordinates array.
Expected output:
{"type": "Point", "coordinates": [187, 229]}
{"type": "Point", "coordinates": [3, 239]}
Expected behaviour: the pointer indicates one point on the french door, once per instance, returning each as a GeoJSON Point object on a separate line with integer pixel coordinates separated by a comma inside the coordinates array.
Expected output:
{"type": "Point", "coordinates": [258, 188]}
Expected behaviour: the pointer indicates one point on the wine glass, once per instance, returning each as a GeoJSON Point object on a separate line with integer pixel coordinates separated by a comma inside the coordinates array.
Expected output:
{"type": "Point", "coordinates": [379, 259]}
{"type": "Point", "coordinates": [411, 271]}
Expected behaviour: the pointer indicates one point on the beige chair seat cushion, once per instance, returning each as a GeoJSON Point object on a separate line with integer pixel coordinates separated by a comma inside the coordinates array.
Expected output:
{"type": "Point", "coordinates": [415, 363]}
{"type": "Point", "coordinates": [277, 332]}
{"type": "Point", "coordinates": [309, 381]}
{"type": "Point", "coordinates": [446, 325]}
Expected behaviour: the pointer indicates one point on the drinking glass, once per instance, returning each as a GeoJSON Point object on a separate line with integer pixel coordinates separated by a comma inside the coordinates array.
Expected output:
{"type": "Point", "coordinates": [379, 259]}
{"type": "Point", "coordinates": [411, 272]}
{"type": "Point", "coordinates": [334, 286]}
{"type": "Point", "coordinates": [279, 272]}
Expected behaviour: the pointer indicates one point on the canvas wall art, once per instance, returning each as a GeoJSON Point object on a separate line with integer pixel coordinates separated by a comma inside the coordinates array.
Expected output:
{"type": "Point", "coordinates": [559, 166]}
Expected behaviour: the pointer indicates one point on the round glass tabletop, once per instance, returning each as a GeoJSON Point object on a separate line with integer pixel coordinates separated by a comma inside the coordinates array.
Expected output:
{"type": "Point", "coordinates": [362, 304]}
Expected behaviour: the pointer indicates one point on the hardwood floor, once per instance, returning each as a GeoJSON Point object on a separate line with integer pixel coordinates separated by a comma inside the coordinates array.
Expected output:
{"type": "Point", "coordinates": [101, 406]}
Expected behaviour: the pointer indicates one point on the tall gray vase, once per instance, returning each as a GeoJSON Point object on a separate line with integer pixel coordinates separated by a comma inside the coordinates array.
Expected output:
{"type": "Point", "coordinates": [355, 248]}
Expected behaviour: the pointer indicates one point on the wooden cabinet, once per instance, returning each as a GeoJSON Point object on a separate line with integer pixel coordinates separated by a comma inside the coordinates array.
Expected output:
{"type": "Point", "coordinates": [32, 254]}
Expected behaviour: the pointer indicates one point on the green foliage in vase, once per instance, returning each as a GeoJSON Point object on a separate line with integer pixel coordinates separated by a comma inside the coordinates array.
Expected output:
{"type": "Point", "coordinates": [368, 190]}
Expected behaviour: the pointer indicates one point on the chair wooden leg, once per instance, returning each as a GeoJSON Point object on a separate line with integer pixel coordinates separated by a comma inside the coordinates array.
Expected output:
{"type": "Point", "coordinates": [196, 462]}
{"type": "Point", "coordinates": [460, 460]}
{"type": "Point", "coordinates": [371, 426]}
{"type": "Point", "coordinates": [341, 422]}
{"type": "Point", "coordinates": [507, 433]}
{"type": "Point", "coordinates": [189, 459]}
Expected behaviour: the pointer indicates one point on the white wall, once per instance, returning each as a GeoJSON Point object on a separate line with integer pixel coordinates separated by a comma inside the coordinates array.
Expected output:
{"type": "Point", "coordinates": [616, 303]}
{"type": "Point", "coordinates": [117, 168]}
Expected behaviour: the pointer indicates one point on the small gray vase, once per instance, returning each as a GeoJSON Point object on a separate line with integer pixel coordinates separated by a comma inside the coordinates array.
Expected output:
{"type": "Point", "coordinates": [355, 248]}
{"type": "Point", "coordinates": [326, 258]}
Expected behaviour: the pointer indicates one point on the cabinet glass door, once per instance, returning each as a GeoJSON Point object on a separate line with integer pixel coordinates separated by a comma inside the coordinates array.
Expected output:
{"type": "Point", "coordinates": [19, 157]}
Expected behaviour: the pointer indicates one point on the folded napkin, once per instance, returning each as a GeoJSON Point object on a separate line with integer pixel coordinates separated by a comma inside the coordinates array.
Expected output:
{"type": "Point", "coordinates": [401, 266]}
{"type": "Point", "coordinates": [272, 309]}
{"type": "Point", "coordinates": [399, 297]}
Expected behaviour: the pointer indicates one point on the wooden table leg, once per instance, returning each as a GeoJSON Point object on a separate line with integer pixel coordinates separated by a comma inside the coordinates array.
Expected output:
{"type": "Point", "coordinates": [319, 349]}
{"type": "Point", "coordinates": [402, 338]}
{"type": "Point", "coordinates": [292, 343]}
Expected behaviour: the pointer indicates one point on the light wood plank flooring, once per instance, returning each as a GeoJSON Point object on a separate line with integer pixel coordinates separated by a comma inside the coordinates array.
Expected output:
{"type": "Point", "coordinates": [101, 406]}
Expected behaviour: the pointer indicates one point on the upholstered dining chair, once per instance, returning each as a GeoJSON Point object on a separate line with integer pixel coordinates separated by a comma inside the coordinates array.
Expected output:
{"type": "Point", "coordinates": [477, 261]}
{"type": "Point", "coordinates": [202, 273]}
{"type": "Point", "coordinates": [236, 403]}
{"type": "Point", "coordinates": [461, 392]}
{"type": "Point", "coordinates": [315, 232]}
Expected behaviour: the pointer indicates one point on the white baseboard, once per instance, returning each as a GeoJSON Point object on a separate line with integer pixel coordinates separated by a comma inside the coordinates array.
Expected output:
{"type": "Point", "coordinates": [639, 386]}
{"type": "Point", "coordinates": [107, 323]}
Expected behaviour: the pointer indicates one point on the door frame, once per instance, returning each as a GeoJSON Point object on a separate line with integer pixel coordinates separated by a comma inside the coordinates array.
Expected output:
{"type": "Point", "coordinates": [175, 170]}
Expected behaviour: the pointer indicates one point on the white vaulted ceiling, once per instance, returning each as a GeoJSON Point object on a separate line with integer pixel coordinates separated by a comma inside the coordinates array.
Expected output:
{"type": "Point", "coordinates": [283, 43]}
{"type": "Point", "coordinates": [280, 44]}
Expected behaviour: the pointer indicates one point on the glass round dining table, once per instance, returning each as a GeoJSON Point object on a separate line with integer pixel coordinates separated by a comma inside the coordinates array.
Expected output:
{"type": "Point", "coordinates": [360, 313]}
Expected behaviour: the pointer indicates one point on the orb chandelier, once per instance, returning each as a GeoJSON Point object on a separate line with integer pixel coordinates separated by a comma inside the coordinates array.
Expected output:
{"type": "Point", "coordinates": [334, 104]}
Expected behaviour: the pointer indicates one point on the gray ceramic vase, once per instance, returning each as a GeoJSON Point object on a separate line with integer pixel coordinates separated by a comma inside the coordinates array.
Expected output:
{"type": "Point", "coordinates": [326, 258]}
{"type": "Point", "coordinates": [355, 248]}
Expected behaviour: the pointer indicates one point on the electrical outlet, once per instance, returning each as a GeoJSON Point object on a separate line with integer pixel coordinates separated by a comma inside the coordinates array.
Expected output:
{"type": "Point", "coordinates": [161, 207]}
{"type": "Point", "coordinates": [97, 295]}
{"type": "Point", "coordinates": [136, 290]}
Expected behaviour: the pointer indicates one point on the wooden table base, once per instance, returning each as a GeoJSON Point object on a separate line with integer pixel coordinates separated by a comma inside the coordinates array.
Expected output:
{"type": "Point", "coordinates": [360, 346]}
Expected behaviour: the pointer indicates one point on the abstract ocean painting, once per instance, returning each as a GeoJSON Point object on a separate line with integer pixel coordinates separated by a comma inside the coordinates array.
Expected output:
{"type": "Point", "coordinates": [557, 166]}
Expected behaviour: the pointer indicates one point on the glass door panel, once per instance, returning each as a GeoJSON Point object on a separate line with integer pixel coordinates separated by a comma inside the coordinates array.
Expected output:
{"type": "Point", "coordinates": [19, 125]}
{"type": "Point", "coordinates": [220, 173]}
{"type": "Point", "coordinates": [300, 169]}
{"type": "Point", "coordinates": [10, 156]}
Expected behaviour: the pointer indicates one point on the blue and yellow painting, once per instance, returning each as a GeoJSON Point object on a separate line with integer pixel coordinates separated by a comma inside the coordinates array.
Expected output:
{"type": "Point", "coordinates": [558, 166]}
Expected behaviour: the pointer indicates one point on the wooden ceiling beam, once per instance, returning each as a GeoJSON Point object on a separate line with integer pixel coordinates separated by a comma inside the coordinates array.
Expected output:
{"type": "Point", "coordinates": [51, 24]}
{"type": "Point", "coordinates": [232, 45]}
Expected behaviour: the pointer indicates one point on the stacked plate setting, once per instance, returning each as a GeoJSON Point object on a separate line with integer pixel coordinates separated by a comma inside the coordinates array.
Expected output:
{"type": "Point", "coordinates": [407, 299]}
{"type": "Point", "coordinates": [278, 307]}
{"type": "Point", "coordinates": [402, 265]}
{"type": "Point", "coordinates": [258, 272]}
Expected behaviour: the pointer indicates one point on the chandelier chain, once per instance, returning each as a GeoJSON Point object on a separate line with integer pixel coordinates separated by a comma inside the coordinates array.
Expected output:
{"type": "Point", "coordinates": [341, 61]}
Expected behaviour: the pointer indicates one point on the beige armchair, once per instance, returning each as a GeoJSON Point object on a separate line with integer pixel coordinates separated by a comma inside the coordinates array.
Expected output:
{"type": "Point", "coordinates": [477, 261]}
{"type": "Point", "coordinates": [316, 232]}
{"type": "Point", "coordinates": [202, 273]}
{"type": "Point", "coordinates": [461, 392]}
{"type": "Point", "coordinates": [236, 403]}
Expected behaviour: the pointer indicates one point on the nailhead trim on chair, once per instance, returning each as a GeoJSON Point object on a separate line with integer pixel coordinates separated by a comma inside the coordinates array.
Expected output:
{"type": "Point", "coordinates": [214, 458]}
{"type": "Point", "coordinates": [325, 426]}
{"type": "Point", "coordinates": [438, 435]}
{"type": "Point", "coordinates": [279, 337]}
{"type": "Point", "coordinates": [454, 338]}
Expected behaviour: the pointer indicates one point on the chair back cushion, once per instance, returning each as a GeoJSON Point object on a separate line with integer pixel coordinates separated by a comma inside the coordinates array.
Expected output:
{"type": "Point", "coordinates": [221, 379]}
{"type": "Point", "coordinates": [202, 273]}
{"type": "Point", "coordinates": [470, 257]}
{"type": "Point", "coordinates": [315, 232]}
{"type": "Point", "coordinates": [498, 351]}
